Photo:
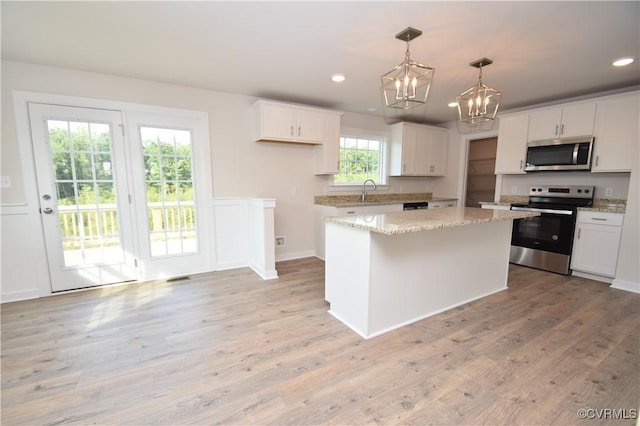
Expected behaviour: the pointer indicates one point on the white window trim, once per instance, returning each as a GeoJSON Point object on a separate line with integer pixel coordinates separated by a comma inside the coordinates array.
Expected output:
{"type": "Point", "coordinates": [383, 137]}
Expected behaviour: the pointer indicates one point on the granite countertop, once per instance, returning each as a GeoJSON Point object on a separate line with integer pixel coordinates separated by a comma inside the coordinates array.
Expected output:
{"type": "Point", "coordinates": [614, 208]}
{"type": "Point", "coordinates": [426, 220]}
{"type": "Point", "coordinates": [374, 199]}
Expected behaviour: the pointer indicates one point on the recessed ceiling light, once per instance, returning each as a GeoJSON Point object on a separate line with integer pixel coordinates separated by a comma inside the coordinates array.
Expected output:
{"type": "Point", "coordinates": [372, 110]}
{"type": "Point", "coordinates": [338, 78]}
{"type": "Point", "coordinates": [622, 62]}
{"type": "Point", "coordinates": [452, 104]}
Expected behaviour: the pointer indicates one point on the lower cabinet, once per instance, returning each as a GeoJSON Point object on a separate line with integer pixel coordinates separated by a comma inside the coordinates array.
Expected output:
{"type": "Point", "coordinates": [440, 204]}
{"type": "Point", "coordinates": [495, 206]}
{"type": "Point", "coordinates": [596, 243]}
{"type": "Point", "coordinates": [321, 211]}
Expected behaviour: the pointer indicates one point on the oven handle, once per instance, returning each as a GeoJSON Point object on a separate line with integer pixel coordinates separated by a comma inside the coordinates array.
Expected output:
{"type": "Point", "coordinates": [552, 211]}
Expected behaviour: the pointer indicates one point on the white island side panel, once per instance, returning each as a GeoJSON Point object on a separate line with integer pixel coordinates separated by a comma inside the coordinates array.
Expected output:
{"type": "Point", "coordinates": [347, 280]}
{"type": "Point", "coordinates": [376, 282]}
{"type": "Point", "coordinates": [420, 274]}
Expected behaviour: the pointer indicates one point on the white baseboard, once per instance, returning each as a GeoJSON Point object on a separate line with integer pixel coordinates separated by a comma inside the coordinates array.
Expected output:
{"type": "Point", "coordinates": [18, 296]}
{"type": "Point", "coordinates": [264, 274]}
{"type": "Point", "coordinates": [626, 285]}
{"type": "Point", "coordinates": [230, 265]}
{"type": "Point", "coordinates": [600, 278]}
{"type": "Point", "coordinates": [295, 255]}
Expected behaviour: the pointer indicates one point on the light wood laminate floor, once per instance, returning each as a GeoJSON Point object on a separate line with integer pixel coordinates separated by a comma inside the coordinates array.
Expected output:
{"type": "Point", "coordinates": [229, 348]}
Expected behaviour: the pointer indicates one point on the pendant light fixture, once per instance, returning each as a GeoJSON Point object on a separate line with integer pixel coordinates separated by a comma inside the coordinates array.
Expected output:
{"type": "Point", "coordinates": [407, 85]}
{"type": "Point", "coordinates": [478, 106]}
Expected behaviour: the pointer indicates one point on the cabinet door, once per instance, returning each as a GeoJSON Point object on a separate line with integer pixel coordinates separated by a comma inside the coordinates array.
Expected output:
{"type": "Point", "coordinates": [327, 155]}
{"type": "Point", "coordinates": [382, 208]}
{"type": "Point", "coordinates": [421, 156]}
{"type": "Point", "coordinates": [595, 249]}
{"type": "Point", "coordinates": [512, 144]}
{"type": "Point", "coordinates": [544, 124]}
{"type": "Point", "coordinates": [616, 132]}
{"type": "Point", "coordinates": [438, 153]}
{"type": "Point", "coordinates": [566, 122]}
{"type": "Point", "coordinates": [278, 122]}
{"type": "Point", "coordinates": [577, 120]}
{"type": "Point", "coordinates": [309, 126]}
{"type": "Point", "coordinates": [408, 150]}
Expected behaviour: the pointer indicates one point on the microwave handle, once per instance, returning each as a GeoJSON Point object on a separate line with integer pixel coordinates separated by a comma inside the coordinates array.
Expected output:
{"type": "Point", "coordinates": [575, 153]}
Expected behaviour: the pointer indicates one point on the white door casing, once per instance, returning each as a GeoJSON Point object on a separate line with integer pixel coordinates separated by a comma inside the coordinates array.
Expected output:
{"type": "Point", "coordinates": [193, 255]}
{"type": "Point", "coordinates": [196, 122]}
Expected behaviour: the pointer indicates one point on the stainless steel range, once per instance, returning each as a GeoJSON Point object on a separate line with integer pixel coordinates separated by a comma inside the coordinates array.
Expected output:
{"type": "Point", "coordinates": [546, 241]}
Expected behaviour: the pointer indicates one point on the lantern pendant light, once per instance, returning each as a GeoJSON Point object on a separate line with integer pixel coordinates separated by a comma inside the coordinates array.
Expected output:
{"type": "Point", "coordinates": [478, 106]}
{"type": "Point", "coordinates": [407, 85]}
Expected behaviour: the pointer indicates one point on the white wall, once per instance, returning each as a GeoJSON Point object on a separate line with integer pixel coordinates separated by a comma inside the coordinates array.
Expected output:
{"type": "Point", "coordinates": [240, 167]}
{"type": "Point", "coordinates": [519, 184]}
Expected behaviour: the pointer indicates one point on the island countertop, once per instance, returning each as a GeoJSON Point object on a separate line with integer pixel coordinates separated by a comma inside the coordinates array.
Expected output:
{"type": "Point", "coordinates": [426, 220]}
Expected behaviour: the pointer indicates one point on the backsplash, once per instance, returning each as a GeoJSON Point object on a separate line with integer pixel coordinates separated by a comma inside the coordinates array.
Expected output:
{"type": "Point", "coordinates": [372, 197]}
{"type": "Point", "coordinates": [617, 182]}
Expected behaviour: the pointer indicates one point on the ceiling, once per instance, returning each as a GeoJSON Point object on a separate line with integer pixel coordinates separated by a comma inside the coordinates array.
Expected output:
{"type": "Point", "coordinates": [542, 51]}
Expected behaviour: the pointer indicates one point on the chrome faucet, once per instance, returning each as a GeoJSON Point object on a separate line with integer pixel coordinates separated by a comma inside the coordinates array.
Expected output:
{"type": "Point", "coordinates": [364, 188]}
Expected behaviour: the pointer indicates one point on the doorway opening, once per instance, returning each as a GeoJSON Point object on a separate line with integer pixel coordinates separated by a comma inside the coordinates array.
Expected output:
{"type": "Point", "coordinates": [481, 165]}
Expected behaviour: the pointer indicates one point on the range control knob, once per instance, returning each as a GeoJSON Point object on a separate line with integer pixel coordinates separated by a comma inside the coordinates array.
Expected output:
{"type": "Point", "coordinates": [580, 191]}
{"type": "Point", "coordinates": [586, 191]}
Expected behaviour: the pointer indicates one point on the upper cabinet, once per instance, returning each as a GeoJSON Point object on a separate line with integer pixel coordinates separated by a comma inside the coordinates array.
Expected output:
{"type": "Point", "coordinates": [512, 144]}
{"type": "Point", "coordinates": [562, 122]}
{"type": "Point", "coordinates": [327, 155]}
{"type": "Point", "coordinates": [616, 132]}
{"type": "Point", "coordinates": [280, 122]}
{"type": "Point", "coordinates": [288, 123]}
{"type": "Point", "coordinates": [613, 120]}
{"type": "Point", "coordinates": [417, 150]}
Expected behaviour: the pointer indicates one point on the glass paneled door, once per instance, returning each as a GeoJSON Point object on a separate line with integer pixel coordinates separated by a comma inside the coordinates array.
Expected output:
{"type": "Point", "coordinates": [84, 201]}
{"type": "Point", "coordinates": [171, 183]}
{"type": "Point", "coordinates": [169, 191]}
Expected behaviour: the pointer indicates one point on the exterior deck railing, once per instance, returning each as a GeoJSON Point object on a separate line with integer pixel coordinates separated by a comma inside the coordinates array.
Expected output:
{"type": "Point", "coordinates": [91, 225]}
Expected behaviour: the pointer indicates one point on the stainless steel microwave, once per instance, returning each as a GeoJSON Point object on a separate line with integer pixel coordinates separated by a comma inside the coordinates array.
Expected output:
{"type": "Point", "coordinates": [560, 154]}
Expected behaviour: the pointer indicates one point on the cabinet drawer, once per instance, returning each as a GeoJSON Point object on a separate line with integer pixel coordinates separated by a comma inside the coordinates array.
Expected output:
{"type": "Point", "coordinates": [597, 218]}
{"type": "Point", "coordinates": [440, 204]}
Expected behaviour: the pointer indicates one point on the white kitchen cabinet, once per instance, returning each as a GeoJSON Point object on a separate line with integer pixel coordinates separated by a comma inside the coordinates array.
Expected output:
{"type": "Point", "coordinates": [596, 243]}
{"type": "Point", "coordinates": [327, 155]}
{"type": "Point", "coordinates": [512, 144]}
{"type": "Point", "coordinates": [288, 123]}
{"type": "Point", "coordinates": [495, 206]}
{"type": "Point", "coordinates": [437, 151]}
{"type": "Point", "coordinates": [562, 122]}
{"type": "Point", "coordinates": [441, 204]}
{"type": "Point", "coordinates": [616, 133]}
{"type": "Point", "coordinates": [417, 150]}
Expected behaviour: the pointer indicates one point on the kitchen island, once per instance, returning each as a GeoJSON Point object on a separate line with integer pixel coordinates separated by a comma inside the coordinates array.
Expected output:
{"type": "Point", "coordinates": [384, 271]}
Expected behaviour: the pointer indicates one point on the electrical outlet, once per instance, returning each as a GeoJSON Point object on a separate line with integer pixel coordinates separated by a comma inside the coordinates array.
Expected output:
{"type": "Point", "coordinates": [5, 181]}
{"type": "Point", "coordinates": [280, 241]}
{"type": "Point", "coordinates": [608, 192]}
{"type": "Point", "coordinates": [294, 191]}
{"type": "Point", "coordinates": [514, 189]}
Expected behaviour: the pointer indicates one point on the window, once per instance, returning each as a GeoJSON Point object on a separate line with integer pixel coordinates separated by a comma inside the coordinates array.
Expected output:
{"type": "Point", "coordinates": [360, 159]}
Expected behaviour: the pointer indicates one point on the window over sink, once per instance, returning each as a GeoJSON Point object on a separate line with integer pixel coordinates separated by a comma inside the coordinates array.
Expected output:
{"type": "Point", "coordinates": [361, 158]}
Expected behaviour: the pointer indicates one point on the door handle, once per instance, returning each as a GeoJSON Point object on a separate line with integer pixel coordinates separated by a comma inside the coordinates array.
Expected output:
{"type": "Point", "coordinates": [48, 210]}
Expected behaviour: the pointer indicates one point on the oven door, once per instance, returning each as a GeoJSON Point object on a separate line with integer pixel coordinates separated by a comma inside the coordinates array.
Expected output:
{"type": "Point", "coordinates": [552, 231]}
